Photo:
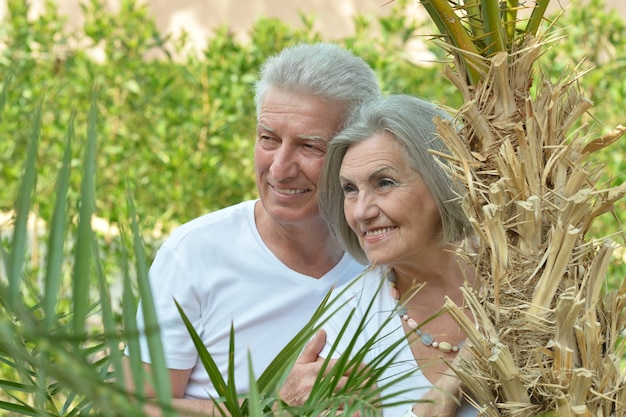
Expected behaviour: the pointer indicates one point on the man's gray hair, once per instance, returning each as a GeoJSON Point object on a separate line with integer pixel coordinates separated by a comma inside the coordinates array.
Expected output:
{"type": "Point", "coordinates": [321, 69]}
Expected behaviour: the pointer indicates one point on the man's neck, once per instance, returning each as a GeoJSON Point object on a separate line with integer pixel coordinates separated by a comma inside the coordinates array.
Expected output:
{"type": "Point", "coordinates": [307, 248]}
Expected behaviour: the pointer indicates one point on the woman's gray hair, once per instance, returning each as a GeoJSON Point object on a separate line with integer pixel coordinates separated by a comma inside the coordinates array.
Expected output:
{"type": "Point", "coordinates": [322, 69]}
{"type": "Point", "coordinates": [410, 121]}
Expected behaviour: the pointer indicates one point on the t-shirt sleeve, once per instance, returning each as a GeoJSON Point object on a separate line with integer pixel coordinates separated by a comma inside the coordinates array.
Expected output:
{"type": "Point", "coordinates": [170, 282]}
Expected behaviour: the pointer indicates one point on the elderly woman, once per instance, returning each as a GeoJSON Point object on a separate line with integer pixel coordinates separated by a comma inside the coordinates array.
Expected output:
{"type": "Point", "coordinates": [391, 204]}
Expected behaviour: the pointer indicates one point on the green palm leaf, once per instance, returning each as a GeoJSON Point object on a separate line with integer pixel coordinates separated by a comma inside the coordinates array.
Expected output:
{"type": "Point", "coordinates": [57, 234]}
{"type": "Point", "coordinates": [84, 240]}
{"type": "Point", "coordinates": [475, 31]}
{"type": "Point", "coordinates": [226, 391]}
{"type": "Point", "coordinates": [22, 209]}
{"type": "Point", "coordinates": [161, 378]}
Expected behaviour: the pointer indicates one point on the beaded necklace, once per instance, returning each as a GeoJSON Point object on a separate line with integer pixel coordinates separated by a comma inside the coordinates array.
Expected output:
{"type": "Point", "coordinates": [426, 338]}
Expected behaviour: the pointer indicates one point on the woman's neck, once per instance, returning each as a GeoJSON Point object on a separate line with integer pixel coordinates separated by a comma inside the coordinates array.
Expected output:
{"type": "Point", "coordinates": [430, 282]}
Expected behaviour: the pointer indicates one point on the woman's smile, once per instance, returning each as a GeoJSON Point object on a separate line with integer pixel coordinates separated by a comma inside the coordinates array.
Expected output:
{"type": "Point", "coordinates": [386, 201]}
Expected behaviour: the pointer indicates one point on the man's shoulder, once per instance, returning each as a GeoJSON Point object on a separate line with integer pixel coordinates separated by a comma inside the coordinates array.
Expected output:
{"type": "Point", "coordinates": [366, 282]}
{"type": "Point", "coordinates": [212, 224]}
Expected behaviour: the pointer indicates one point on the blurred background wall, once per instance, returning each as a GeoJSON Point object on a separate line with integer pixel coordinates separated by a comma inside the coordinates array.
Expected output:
{"type": "Point", "coordinates": [199, 18]}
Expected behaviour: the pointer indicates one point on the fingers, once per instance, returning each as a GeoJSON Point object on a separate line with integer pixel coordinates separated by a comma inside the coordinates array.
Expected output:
{"type": "Point", "coordinates": [311, 351]}
{"type": "Point", "coordinates": [304, 374]}
{"type": "Point", "coordinates": [297, 387]}
{"type": "Point", "coordinates": [464, 355]}
{"type": "Point", "coordinates": [337, 413]}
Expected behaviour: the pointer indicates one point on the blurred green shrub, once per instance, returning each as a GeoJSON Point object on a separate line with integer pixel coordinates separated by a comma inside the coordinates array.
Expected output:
{"type": "Point", "coordinates": [181, 129]}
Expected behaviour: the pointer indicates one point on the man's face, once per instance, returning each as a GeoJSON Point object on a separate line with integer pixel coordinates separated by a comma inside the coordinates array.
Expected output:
{"type": "Point", "coordinates": [293, 133]}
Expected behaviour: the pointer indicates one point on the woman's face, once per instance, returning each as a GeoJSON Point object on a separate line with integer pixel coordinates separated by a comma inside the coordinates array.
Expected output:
{"type": "Point", "coordinates": [387, 204]}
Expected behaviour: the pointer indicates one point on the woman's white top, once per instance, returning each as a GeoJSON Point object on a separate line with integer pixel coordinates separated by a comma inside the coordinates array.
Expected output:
{"type": "Point", "coordinates": [402, 381]}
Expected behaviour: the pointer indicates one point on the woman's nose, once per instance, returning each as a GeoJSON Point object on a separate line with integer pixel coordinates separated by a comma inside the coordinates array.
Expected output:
{"type": "Point", "coordinates": [365, 207]}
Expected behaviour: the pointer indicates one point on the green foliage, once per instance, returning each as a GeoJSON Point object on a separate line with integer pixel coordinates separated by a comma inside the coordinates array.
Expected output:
{"type": "Point", "coordinates": [155, 134]}
{"type": "Point", "coordinates": [179, 123]}
{"type": "Point", "coordinates": [180, 130]}
{"type": "Point", "coordinates": [40, 342]}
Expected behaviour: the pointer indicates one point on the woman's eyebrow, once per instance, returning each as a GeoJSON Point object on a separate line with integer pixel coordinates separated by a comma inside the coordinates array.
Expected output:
{"type": "Point", "coordinates": [373, 175]}
{"type": "Point", "coordinates": [378, 172]}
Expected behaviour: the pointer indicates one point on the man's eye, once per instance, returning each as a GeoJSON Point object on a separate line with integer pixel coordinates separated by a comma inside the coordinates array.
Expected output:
{"type": "Point", "coordinates": [268, 143]}
{"type": "Point", "coordinates": [314, 147]}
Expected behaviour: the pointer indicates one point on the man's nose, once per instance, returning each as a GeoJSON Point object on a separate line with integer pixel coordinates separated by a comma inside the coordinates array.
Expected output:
{"type": "Point", "coordinates": [284, 163]}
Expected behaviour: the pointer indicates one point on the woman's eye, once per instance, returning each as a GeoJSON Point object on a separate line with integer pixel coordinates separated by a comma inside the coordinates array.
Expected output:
{"type": "Point", "coordinates": [348, 189]}
{"type": "Point", "coordinates": [386, 182]}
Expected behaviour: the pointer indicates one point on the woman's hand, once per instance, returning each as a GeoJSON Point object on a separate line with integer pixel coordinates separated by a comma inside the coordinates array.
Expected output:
{"type": "Point", "coordinates": [443, 399]}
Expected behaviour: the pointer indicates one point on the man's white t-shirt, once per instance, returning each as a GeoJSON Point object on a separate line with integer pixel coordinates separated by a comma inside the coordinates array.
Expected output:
{"type": "Point", "coordinates": [221, 273]}
{"type": "Point", "coordinates": [369, 298]}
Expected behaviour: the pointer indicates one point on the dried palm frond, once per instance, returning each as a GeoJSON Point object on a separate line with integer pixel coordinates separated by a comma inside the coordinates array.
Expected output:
{"type": "Point", "coordinates": [547, 338]}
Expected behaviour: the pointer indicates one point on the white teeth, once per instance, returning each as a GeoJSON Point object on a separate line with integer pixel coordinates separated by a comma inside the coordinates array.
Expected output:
{"type": "Point", "coordinates": [290, 191]}
{"type": "Point", "coordinates": [378, 231]}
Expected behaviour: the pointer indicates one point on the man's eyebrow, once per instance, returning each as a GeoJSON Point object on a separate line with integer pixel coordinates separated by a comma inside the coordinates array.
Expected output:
{"type": "Point", "coordinates": [301, 137]}
{"type": "Point", "coordinates": [266, 127]}
{"type": "Point", "coordinates": [313, 137]}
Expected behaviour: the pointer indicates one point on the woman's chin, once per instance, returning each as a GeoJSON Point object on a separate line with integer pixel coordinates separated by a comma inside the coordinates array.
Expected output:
{"type": "Point", "coordinates": [377, 259]}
